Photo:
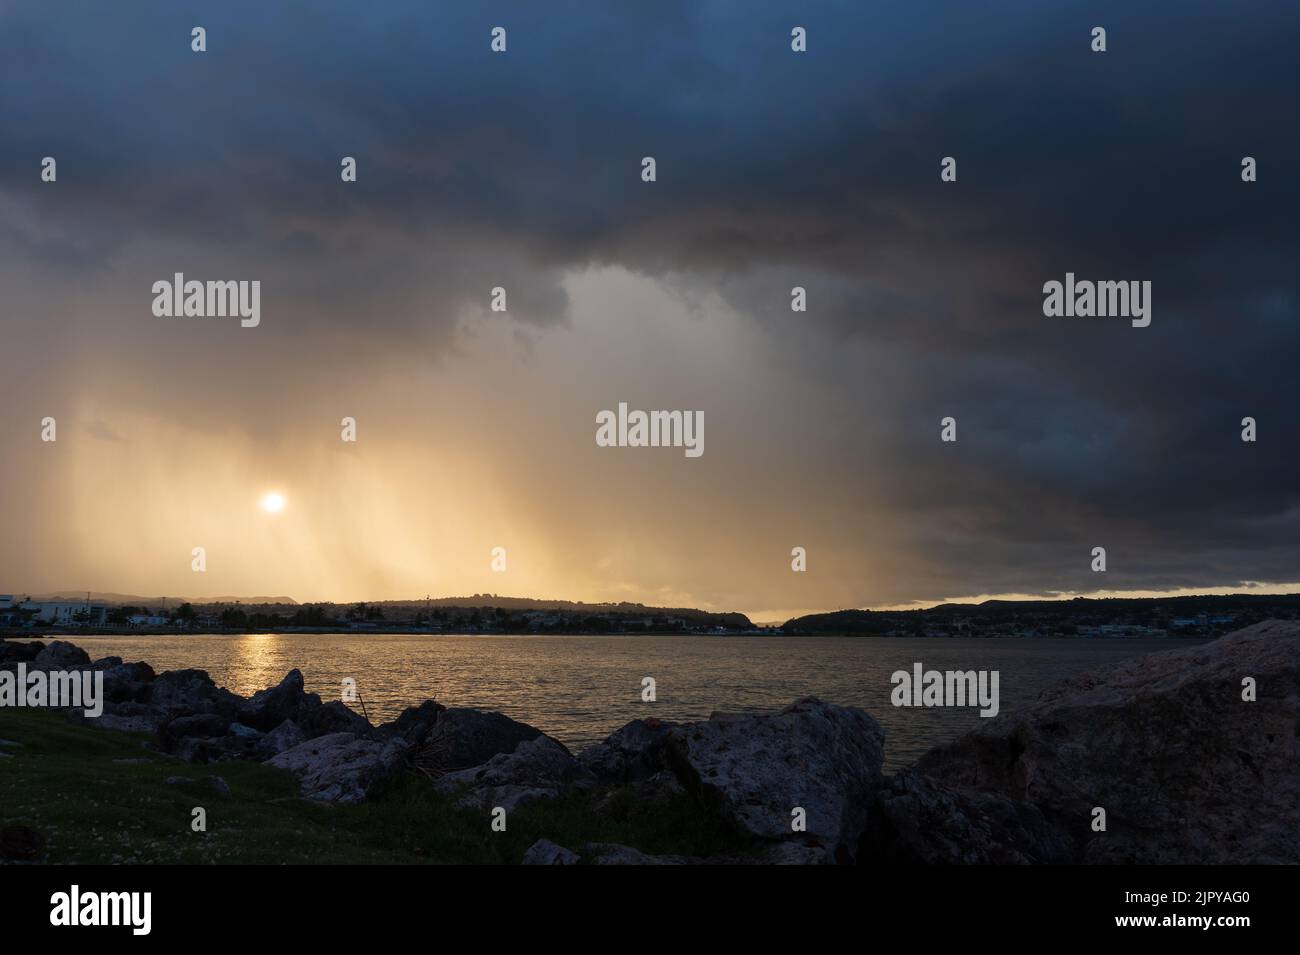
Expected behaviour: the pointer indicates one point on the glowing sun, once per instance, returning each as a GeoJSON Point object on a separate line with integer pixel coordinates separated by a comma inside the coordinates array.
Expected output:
{"type": "Point", "coordinates": [273, 503]}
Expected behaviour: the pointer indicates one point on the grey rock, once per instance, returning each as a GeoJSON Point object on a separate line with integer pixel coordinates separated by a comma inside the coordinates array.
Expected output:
{"type": "Point", "coordinates": [200, 724]}
{"type": "Point", "coordinates": [636, 751]}
{"type": "Point", "coordinates": [461, 738]}
{"type": "Point", "coordinates": [189, 692]}
{"type": "Point", "coordinates": [267, 709]}
{"type": "Point", "coordinates": [12, 651]}
{"type": "Point", "coordinates": [60, 655]}
{"type": "Point", "coordinates": [332, 717]}
{"type": "Point", "coordinates": [126, 716]}
{"type": "Point", "coordinates": [341, 768]}
{"type": "Point", "coordinates": [114, 718]}
{"type": "Point", "coordinates": [546, 852]}
{"type": "Point", "coordinates": [126, 682]}
{"type": "Point", "coordinates": [1187, 771]}
{"type": "Point", "coordinates": [923, 822]}
{"type": "Point", "coordinates": [754, 770]}
{"type": "Point", "coordinates": [537, 769]}
{"type": "Point", "coordinates": [285, 736]}
{"type": "Point", "coordinates": [414, 722]}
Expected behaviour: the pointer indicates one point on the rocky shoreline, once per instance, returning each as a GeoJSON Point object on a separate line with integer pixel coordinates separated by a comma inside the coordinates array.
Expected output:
{"type": "Point", "coordinates": [1185, 768]}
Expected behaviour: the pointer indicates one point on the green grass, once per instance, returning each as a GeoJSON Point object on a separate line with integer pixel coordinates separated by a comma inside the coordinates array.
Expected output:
{"type": "Point", "coordinates": [66, 780]}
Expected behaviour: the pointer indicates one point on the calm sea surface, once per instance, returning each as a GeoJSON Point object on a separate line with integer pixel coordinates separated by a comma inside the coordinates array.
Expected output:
{"type": "Point", "coordinates": [581, 688]}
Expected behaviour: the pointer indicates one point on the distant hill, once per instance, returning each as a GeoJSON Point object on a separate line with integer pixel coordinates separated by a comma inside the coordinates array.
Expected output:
{"type": "Point", "coordinates": [136, 600]}
{"type": "Point", "coordinates": [1057, 616]}
{"type": "Point", "coordinates": [622, 609]}
{"type": "Point", "coordinates": [841, 621]}
{"type": "Point", "coordinates": [394, 609]}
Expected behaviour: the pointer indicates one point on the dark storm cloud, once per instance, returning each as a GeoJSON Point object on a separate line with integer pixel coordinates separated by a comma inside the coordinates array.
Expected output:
{"type": "Point", "coordinates": [820, 170]}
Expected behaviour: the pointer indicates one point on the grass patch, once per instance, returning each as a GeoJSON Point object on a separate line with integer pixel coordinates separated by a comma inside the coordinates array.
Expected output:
{"type": "Point", "coordinates": [99, 796]}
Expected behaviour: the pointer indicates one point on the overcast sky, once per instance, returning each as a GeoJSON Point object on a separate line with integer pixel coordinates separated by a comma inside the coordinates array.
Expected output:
{"type": "Point", "coordinates": [774, 169]}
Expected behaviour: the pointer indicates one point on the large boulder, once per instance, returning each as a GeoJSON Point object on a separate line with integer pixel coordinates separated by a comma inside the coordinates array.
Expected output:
{"type": "Point", "coordinates": [187, 692]}
{"type": "Point", "coordinates": [637, 751]}
{"type": "Point", "coordinates": [414, 722]}
{"type": "Point", "coordinates": [461, 738]}
{"type": "Point", "coordinates": [199, 724]}
{"type": "Point", "coordinates": [341, 768]}
{"type": "Point", "coordinates": [288, 701]}
{"type": "Point", "coordinates": [332, 717]}
{"type": "Point", "coordinates": [546, 852]}
{"type": "Point", "coordinates": [125, 682]}
{"type": "Point", "coordinates": [920, 821]}
{"type": "Point", "coordinates": [539, 768]}
{"type": "Point", "coordinates": [19, 651]}
{"type": "Point", "coordinates": [285, 736]}
{"type": "Point", "coordinates": [755, 770]}
{"type": "Point", "coordinates": [60, 655]}
{"type": "Point", "coordinates": [267, 709]}
{"type": "Point", "coordinates": [1186, 770]}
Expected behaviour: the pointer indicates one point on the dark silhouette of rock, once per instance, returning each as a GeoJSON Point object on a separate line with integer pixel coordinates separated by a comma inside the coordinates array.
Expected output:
{"type": "Point", "coordinates": [125, 682]}
{"type": "Point", "coordinates": [267, 709]}
{"type": "Point", "coordinates": [188, 692]}
{"type": "Point", "coordinates": [539, 768]}
{"type": "Point", "coordinates": [415, 722]}
{"type": "Point", "coordinates": [923, 822]}
{"type": "Point", "coordinates": [19, 652]}
{"type": "Point", "coordinates": [1185, 769]}
{"type": "Point", "coordinates": [635, 752]}
{"type": "Point", "coordinates": [332, 717]}
{"type": "Point", "coordinates": [126, 716]}
{"type": "Point", "coordinates": [60, 655]}
{"type": "Point", "coordinates": [462, 738]}
{"type": "Point", "coordinates": [200, 724]}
